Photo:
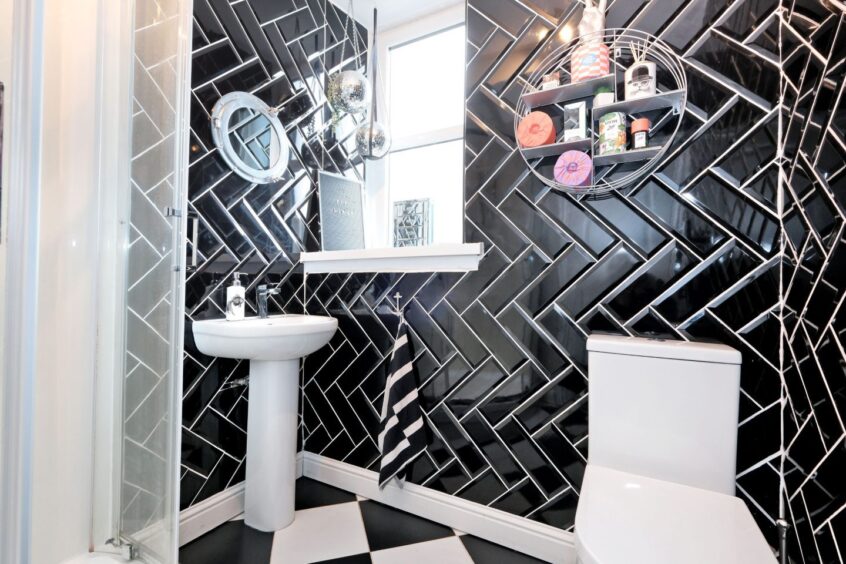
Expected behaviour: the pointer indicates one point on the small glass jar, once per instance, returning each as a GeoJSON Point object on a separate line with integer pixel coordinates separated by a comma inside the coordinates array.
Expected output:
{"type": "Point", "coordinates": [640, 133]}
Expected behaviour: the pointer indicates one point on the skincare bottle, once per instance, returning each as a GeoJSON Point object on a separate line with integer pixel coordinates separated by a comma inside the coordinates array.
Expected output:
{"type": "Point", "coordinates": [235, 299]}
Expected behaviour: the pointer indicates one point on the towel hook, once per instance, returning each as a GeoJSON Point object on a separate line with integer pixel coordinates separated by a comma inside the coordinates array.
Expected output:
{"type": "Point", "coordinates": [397, 310]}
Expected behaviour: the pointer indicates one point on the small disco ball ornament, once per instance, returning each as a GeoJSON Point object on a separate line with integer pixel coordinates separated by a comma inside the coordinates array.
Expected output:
{"type": "Point", "coordinates": [372, 140]}
{"type": "Point", "coordinates": [349, 91]}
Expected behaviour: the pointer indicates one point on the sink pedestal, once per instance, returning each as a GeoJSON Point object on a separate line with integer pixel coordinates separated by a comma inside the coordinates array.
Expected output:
{"type": "Point", "coordinates": [272, 444]}
{"type": "Point", "coordinates": [274, 346]}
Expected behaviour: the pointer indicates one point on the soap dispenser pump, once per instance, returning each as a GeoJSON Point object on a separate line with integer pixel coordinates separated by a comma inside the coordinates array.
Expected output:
{"type": "Point", "coordinates": [235, 299]}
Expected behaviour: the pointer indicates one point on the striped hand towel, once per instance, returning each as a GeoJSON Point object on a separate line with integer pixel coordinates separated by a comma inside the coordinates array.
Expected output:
{"type": "Point", "coordinates": [402, 437]}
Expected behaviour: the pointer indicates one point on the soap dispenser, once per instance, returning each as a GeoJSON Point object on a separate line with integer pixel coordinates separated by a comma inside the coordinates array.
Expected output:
{"type": "Point", "coordinates": [235, 299]}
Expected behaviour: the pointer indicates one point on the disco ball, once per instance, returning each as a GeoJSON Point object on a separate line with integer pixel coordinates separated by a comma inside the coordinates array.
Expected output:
{"type": "Point", "coordinates": [349, 91]}
{"type": "Point", "coordinates": [373, 141]}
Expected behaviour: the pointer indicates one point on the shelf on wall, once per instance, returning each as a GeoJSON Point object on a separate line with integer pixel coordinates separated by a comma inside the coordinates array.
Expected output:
{"type": "Point", "coordinates": [556, 149]}
{"type": "Point", "coordinates": [671, 99]}
{"type": "Point", "coordinates": [631, 156]}
{"type": "Point", "coordinates": [458, 257]}
{"type": "Point", "coordinates": [567, 92]}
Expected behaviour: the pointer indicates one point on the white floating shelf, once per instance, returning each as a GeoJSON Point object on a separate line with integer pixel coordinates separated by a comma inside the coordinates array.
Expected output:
{"type": "Point", "coordinates": [457, 257]}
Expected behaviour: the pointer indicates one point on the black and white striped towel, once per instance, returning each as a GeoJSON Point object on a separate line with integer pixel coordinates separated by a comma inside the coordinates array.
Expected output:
{"type": "Point", "coordinates": [402, 437]}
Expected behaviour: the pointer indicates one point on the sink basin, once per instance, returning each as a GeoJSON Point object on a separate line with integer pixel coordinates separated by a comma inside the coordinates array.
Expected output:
{"type": "Point", "coordinates": [274, 347]}
{"type": "Point", "coordinates": [279, 337]}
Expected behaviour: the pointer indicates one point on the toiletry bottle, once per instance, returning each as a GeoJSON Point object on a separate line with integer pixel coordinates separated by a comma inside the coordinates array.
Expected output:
{"type": "Point", "coordinates": [235, 299]}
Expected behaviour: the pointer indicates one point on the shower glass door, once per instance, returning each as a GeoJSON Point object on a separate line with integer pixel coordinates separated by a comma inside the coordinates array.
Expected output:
{"type": "Point", "coordinates": [153, 279]}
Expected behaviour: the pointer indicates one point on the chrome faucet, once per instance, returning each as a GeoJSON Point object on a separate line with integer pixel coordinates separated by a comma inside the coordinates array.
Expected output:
{"type": "Point", "coordinates": [262, 293]}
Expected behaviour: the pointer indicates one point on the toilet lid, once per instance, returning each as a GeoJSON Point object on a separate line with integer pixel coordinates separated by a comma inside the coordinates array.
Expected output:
{"type": "Point", "coordinates": [629, 519]}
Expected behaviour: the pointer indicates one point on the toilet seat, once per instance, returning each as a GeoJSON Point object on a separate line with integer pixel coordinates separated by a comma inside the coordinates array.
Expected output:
{"type": "Point", "coordinates": [629, 519]}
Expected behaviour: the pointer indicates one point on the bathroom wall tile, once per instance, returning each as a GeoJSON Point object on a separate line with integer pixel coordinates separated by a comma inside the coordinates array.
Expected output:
{"type": "Point", "coordinates": [449, 480]}
{"type": "Point", "coordinates": [521, 499]}
{"type": "Point", "coordinates": [474, 283]}
{"type": "Point", "coordinates": [534, 225]}
{"type": "Point", "coordinates": [511, 282]}
{"type": "Point", "coordinates": [575, 222]}
{"type": "Point", "coordinates": [484, 489]}
{"type": "Point", "coordinates": [512, 62]}
{"type": "Point", "coordinates": [552, 400]}
{"type": "Point", "coordinates": [648, 284]}
{"type": "Point", "coordinates": [502, 459]}
{"type": "Point", "coordinates": [631, 226]}
{"type": "Point", "coordinates": [602, 277]}
{"type": "Point", "coordinates": [489, 54]}
{"type": "Point", "coordinates": [474, 388]}
{"type": "Point", "coordinates": [467, 452]}
{"type": "Point", "coordinates": [501, 349]}
{"type": "Point", "coordinates": [686, 224]}
{"type": "Point", "coordinates": [705, 284]}
{"type": "Point", "coordinates": [754, 226]}
{"type": "Point", "coordinates": [496, 340]}
{"type": "Point", "coordinates": [559, 512]}
{"type": "Point", "coordinates": [524, 331]}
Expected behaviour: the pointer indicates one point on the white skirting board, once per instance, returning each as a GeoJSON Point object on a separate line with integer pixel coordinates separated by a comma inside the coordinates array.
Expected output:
{"type": "Point", "coordinates": [213, 512]}
{"type": "Point", "coordinates": [524, 535]}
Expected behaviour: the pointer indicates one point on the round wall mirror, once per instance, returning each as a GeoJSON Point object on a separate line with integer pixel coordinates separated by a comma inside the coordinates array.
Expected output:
{"type": "Point", "coordinates": [250, 138]}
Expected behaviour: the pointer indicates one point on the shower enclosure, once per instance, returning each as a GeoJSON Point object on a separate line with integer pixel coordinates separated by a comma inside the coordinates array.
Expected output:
{"type": "Point", "coordinates": [150, 275]}
{"type": "Point", "coordinates": [92, 367]}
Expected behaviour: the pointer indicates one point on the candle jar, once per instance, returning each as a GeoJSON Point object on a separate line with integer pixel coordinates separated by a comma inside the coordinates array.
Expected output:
{"type": "Point", "coordinates": [640, 133]}
{"type": "Point", "coordinates": [641, 80]}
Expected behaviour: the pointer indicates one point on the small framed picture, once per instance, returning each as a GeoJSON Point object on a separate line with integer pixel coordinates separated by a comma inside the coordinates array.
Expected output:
{"type": "Point", "coordinates": [341, 212]}
{"type": "Point", "coordinates": [412, 223]}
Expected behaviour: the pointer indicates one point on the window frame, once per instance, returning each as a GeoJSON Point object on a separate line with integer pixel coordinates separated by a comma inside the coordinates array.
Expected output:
{"type": "Point", "coordinates": [432, 137]}
{"type": "Point", "coordinates": [377, 190]}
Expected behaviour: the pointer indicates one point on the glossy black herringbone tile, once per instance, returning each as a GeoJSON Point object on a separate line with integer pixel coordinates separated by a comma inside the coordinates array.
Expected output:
{"type": "Point", "coordinates": [501, 352]}
{"type": "Point", "coordinates": [813, 284]}
{"type": "Point", "coordinates": [690, 253]}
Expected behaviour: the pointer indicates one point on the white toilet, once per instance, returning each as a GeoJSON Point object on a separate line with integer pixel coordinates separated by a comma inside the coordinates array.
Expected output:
{"type": "Point", "coordinates": [659, 484]}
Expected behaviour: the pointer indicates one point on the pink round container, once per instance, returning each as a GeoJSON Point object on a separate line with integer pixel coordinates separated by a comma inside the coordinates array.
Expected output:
{"type": "Point", "coordinates": [574, 168]}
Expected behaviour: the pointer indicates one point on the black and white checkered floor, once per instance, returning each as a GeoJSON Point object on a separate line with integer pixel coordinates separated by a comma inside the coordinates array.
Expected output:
{"type": "Point", "coordinates": [335, 526]}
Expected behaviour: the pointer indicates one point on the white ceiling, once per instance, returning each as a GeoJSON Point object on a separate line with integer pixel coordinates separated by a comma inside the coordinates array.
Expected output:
{"type": "Point", "coordinates": [394, 12]}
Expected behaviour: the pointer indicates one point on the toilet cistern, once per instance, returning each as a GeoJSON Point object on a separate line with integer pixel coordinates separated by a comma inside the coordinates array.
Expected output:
{"type": "Point", "coordinates": [274, 346]}
{"type": "Point", "coordinates": [660, 479]}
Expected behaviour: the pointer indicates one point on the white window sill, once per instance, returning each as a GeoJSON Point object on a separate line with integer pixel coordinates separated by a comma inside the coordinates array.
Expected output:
{"type": "Point", "coordinates": [457, 257]}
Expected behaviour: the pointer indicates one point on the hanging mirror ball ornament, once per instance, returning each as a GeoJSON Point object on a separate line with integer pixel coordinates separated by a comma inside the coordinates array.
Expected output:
{"type": "Point", "coordinates": [373, 141]}
{"type": "Point", "coordinates": [349, 91]}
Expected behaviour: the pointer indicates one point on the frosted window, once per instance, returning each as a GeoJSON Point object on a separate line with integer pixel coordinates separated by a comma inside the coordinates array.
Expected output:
{"type": "Point", "coordinates": [427, 84]}
{"type": "Point", "coordinates": [434, 172]}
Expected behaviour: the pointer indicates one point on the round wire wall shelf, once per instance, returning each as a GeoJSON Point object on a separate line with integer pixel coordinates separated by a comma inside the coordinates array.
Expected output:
{"type": "Point", "coordinates": [665, 109]}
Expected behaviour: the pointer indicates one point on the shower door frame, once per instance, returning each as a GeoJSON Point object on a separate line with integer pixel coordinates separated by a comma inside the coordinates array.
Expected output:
{"type": "Point", "coordinates": [117, 59]}
{"type": "Point", "coordinates": [25, 93]}
{"type": "Point", "coordinates": [24, 114]}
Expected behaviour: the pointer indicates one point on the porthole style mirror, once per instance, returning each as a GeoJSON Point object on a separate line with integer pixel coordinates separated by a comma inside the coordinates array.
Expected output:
{"type": "Point", "coordinates": [250, 138]}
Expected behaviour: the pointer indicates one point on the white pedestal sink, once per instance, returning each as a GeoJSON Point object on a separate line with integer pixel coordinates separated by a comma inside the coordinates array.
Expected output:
{"type": "Point", "coordinates": [274, 347]}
